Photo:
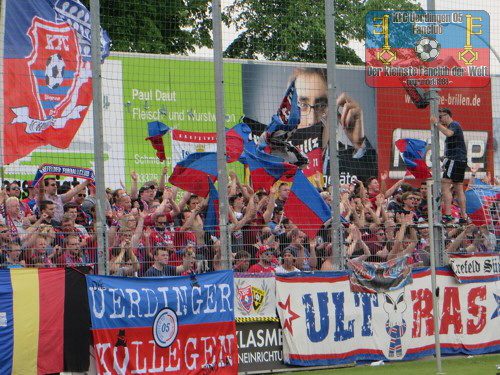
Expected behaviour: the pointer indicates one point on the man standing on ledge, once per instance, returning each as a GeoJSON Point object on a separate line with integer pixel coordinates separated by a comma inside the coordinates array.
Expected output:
{"type": "Point", "coordinates": [454, 163]}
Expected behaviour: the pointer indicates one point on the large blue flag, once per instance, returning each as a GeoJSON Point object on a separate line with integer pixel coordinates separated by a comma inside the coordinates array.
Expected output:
{"type": "Point", "coordinates": [47, 73]}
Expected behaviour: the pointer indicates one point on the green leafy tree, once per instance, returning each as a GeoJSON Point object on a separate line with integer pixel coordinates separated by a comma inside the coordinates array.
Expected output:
{"type": "Point", "coordinates": [156, 26]}
{"type": "Point", "coordinates": [294, 30]}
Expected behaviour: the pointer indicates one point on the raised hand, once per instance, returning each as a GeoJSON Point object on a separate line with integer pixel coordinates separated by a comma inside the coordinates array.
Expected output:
{"type": "Point", "coordinates": [350, 118]}
{"type": "Point", "coordinates": [133, 176]}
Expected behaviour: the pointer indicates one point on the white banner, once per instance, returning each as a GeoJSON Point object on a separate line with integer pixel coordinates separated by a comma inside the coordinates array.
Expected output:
{"type": "Point", "coordinates": [254, 297]}
{"type": "Point", "coordinates": [470, 268]}
{"type": "Point", "coordinates": [324, 323]}
{"type": "Point", "coordinates": [185, 143]}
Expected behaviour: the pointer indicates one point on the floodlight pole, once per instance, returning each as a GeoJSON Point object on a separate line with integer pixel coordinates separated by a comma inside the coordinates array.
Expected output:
{"type": "Point", "coordinates": [435, 293]}
{"type": "Point", "coordinates": [102, 240]}
{"type": "Point", "coordinates": [220, 118]}
{"type": "Point", "coordinates": [331, 123]}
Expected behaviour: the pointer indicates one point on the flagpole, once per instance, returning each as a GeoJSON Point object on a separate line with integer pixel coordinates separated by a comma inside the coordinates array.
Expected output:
{"type": "Point", "coordinates": [102, 243]}
{"type": "Point", "coordinates": [2, 97]}
{"type": "Point", "coordinates": [331, 123]}
{"type": "Point", "coordinates": [220, 115]}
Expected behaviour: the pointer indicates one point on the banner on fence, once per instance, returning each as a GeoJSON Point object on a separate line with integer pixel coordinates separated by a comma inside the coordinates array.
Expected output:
{"type": "Point", "coordinates": [255, 297]}
{"type": "Point", "coordinates": [47, 74]}
{"type": "Point", "coordinates": [260, 346]}
{"type": "Point", "coordinates": [181, 324]}
{"type": "Point", "coordinates": [470, 268]}
{"type": "Point", "coordinates": [324, 323]}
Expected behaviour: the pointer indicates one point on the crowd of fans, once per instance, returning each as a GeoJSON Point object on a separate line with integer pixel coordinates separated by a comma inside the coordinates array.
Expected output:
{"type": "Point", "coordinates": [156, 231]}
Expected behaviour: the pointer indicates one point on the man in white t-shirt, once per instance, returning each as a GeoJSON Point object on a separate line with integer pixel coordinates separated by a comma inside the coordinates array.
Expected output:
{"type": "Point", "coordinates": [288, 264]}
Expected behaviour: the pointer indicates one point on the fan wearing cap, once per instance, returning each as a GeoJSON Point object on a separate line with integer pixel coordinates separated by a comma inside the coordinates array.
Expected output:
{"type": "Point", "coordinates": [265, 256]}
{"type": "Point", "coordinates": [147, 193]}
{"type": "Point", "coordinates": [288, 264]}
{"type": "Point", "coordinates": [30, 199]}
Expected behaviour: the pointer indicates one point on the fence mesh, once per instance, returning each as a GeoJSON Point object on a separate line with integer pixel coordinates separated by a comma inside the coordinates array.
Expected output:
{"type": "Point", "coordinates": [159, 121]}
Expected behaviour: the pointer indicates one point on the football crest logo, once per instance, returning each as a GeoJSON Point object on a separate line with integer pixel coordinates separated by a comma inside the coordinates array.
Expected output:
{"type": "Point", "coordinates": [246, 298]}
{"type": "Point", "coordinates": [57, 72]}
{"type": "Point", "coordinates": [258, 298]}
{"type": "Point", "coordinates": [252, 298]}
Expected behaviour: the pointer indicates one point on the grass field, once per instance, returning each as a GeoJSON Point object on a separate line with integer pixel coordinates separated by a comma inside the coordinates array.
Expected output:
{"type": "Point", "coordinates": [478, 365]}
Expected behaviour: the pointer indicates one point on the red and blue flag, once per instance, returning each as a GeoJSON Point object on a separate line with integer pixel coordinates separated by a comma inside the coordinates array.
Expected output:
{"type": "Point", "coordinates": [191, 173]}
{"type": "Point", "coordinates": [266, 169]}
{"type": "Point", "coordinates": [236, 139]}
{"type": "Point", "coordinates": [156, 131]}
{"type": "Point", "coordinates": [285, 122]}
{"type": "Point", "coordinates": [305, 207]}
{"type": "Point", "coordinates": [413, 153]}
{"type": "Point", "coordinates": [478, 200]}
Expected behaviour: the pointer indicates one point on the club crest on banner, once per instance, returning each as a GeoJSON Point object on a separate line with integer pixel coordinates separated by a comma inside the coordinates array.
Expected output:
{"type": "Point", "coordinates": [259, 296]}
{"type": "Point", "coordinates": [246, 298]}
{"type": "Point", "coordinates": [254, 298]}
{"type": "Point", "coordinates": [165, 327]}
{"type": "Point", "coordinates": [57, 73]}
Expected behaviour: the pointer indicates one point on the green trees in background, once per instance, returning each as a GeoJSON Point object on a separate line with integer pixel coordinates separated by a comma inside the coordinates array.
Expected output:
{"type": "Point", "coordinates": [288, 30]}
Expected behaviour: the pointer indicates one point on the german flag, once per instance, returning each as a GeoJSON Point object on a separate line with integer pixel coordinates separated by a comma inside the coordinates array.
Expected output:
{"type": "Point", "coordinates": [35, 332]}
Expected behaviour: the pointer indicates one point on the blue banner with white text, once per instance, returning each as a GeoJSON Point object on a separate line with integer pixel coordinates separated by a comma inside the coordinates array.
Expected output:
{"type": "Point", "coordinates": [181, 324]}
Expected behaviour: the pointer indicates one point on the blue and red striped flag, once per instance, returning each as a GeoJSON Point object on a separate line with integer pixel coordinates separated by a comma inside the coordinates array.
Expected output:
{"type": "Point", "coordinates": [413, 153]}
{"type": "Point", "coordinates": [211, 223]}
{"type": "Point", "coordinates": [156, 131]}
{"type": "Point", "coordinates": [478, 202]}
{"type": "Point", "coordinates": [266, 169]}
{"type": "Point", "coordinates": [305, 207]}
{"type": "Point", "coordinates": [191, 173]}
{"type": "Point", "coordinates": [236, 139]}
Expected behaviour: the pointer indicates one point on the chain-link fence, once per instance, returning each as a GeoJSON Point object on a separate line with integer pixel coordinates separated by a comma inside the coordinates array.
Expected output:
{"type": "Point", "coordinates": [294, 154]}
